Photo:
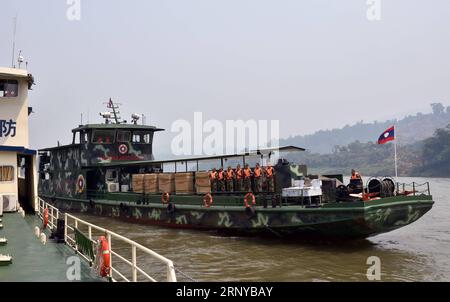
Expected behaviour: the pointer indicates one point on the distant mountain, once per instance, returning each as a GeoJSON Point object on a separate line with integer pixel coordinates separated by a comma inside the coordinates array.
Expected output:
{"type": "Point", "coordinates": [426, 158]}
{"type": "Point", "coordinates": [412, 128]}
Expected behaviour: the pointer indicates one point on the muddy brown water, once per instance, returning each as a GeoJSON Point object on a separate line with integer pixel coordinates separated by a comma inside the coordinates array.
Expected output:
{"type": "Point", "coordinates": [418, 252]}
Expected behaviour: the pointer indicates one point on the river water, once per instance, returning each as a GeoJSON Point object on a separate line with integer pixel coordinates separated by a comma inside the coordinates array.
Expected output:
{"type": "Point", "coordinates": [418, 252]}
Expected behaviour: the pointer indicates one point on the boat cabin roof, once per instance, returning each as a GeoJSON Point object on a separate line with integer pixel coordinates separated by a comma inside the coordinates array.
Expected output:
{"type": "Point", "coordinates": [114, 126]}
{"type": "Point", "coordinates": [257, 152]}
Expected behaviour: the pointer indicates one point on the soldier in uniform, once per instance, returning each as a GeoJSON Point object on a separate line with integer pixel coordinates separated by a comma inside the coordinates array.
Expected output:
{"type": "Point", "coordinates": [269, 174]}
{"type": "Point", "coordinates": [213, 179]}
{"type": "Point", "coordinates": [257, 172]}
{"type": "Point", "coordinates": [247, 179]}
{"type": "Point", "coordinates": [239, 177]}
{"type": "Point", "coordinates": [221, 180]}
{"type": "Point", "coordinates": [229, 176]}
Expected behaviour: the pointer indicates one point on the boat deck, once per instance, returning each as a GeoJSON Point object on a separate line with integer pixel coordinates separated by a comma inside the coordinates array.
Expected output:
{"type": "Point", "coordinates": [33, 261]}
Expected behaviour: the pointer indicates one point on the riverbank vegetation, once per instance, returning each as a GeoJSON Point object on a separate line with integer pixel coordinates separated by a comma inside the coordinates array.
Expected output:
{"type": "Point", "coordinates": [429, 157]}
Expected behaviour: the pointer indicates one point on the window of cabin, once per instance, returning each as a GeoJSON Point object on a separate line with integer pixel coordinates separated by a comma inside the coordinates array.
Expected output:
{"type": "Point", "coordinates": [6, 173]}
{"type": "Point", "coordinates": [76, 139]}
{"type": "Point", "coordinates": [9, 88]}
{"type": "Point", "coordinates": [104, 137]}
{"type": "Point", "coordinates": [84, 137]}
{"type": "Point", "coordinates": [123, 136]}
{"type": "Point", "coordinates": [141, 137]}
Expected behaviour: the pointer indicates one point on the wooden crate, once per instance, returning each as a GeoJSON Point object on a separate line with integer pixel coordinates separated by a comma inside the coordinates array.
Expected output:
{"type": "Point", "coordinates": [202, 183]}
{"type": "Point", "coordinates": [137, 183]}
{"type": "Point", "coordinates": [151, 183]}
{"type": "Point", "coordinates": [184, 183]}
{"type": "Point", "coordinates": [166, 182]}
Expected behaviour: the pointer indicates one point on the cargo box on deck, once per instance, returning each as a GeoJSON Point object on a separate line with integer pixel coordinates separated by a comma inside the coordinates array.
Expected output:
{"type": "Point", "coordinates": [202, 183]}
{"type": "Point", "coordinates": [184, 183]}
{"type": "Point", "coordinates": [137, 183]}
{"type": "Point", "coordinates": [151, 183]}
{"type": "Point", "coordinates": [166, 182]}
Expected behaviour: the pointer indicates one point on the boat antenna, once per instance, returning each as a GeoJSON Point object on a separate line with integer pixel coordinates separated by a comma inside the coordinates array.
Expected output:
{"type": "Point", "coordinates": [14, 41]}
{"type": "Point", "coordinates": [115, 110]}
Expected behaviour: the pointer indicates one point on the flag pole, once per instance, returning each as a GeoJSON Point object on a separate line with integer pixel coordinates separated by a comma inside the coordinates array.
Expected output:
{"type": "Point", "coordinates": [395, 152]}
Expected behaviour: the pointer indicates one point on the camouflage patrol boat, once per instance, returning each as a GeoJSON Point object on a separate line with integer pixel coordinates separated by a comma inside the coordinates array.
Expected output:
{"type": "Point", "coordinates": [95, 174]}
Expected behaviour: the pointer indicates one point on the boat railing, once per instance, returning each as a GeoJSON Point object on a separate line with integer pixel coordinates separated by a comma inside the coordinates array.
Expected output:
{"type": "Point", "coordinates": [53, 213]}
{"type": "Point", "coordinates": [413, 188]}
{"type": "Point", "coordinates": [123, 269]}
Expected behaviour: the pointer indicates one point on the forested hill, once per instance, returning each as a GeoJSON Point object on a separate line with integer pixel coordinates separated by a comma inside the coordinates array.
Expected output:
{"type": "Point", "coordinates": [429, 157]}
{"type": "Point", "coordinates": [412, 128]}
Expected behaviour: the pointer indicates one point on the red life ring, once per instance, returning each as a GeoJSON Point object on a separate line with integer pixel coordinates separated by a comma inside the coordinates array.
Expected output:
{"type": "Point", "coordinates": [45, 218]}
{"type": "Point", "coordinates": [165, 197]}
{"type": "Point", "coordinates": [105, 264]}
{"type": "Point", "coordinates": [208, 200]}
{"type": "Point", "coordinates": [247, 205]}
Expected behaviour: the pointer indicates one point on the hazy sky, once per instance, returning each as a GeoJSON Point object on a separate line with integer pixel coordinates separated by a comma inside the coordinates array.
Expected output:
{"type": "Point", "coordinates": [311, 64]}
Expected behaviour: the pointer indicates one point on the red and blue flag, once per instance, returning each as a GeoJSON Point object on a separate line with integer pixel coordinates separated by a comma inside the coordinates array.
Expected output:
{"type": "Point", "coordinates": [387, 136]}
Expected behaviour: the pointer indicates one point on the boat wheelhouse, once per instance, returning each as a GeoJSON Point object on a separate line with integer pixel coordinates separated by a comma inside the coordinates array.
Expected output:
{"type": "Point", "coordinates": [18, 169]}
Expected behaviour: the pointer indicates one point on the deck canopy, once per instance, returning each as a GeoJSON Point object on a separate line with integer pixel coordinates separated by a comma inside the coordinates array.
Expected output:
{"type": "Point", "coordinates": [268, 152]}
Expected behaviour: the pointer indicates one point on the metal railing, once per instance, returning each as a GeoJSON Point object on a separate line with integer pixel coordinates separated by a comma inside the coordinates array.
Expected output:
{"type": "Point", "coordinates": [72, 223]}
{"type": "Point", "coordinates": [413, 188]}
{"type": "Point", "coordinates": [53, 213]}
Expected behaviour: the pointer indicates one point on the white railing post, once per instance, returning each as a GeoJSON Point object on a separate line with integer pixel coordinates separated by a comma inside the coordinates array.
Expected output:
{"type": "Point", "coordinates": [108, 237]}
{"type": "Point", "coordinates": [76, 227]}
{"type": "Point", "coordinates": [171, 276]}
{"type": "Point", "coordinates": [133, 261]}
{"type": "Point", "coordinates": [90, 232]}
{"type": "Point", "coordinates": [65, 227]}
{"type": "Point", "coordinates": [51, 219]}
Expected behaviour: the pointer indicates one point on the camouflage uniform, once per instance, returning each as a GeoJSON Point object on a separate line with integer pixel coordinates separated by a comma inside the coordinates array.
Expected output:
{"type": "Point", "coordinates": [239, 176]}
{"type": "Point", "coordinates": [221, 181]}
{"type": "Point", "coordinates": [269, 173]}
{"type": "Point", "coordinates": [247, 179]}
{"type": "Point", "coordinates": [230, 180]}
{"type": "Point", "coordinates": [258, 179]}
{"type": "Point", "coordinates": [213, 180]}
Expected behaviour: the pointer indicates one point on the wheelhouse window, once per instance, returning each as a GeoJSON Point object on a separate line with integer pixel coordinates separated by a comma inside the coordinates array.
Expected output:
{"type": "Point", "coordinates": [9, 88]}
{"type": "Point", "coordinates": [141, 137]}
{"type": "Point", "coordinates": [6, 173]}
{"type": "Point", "coordinates": [123, 136]}
{"type": "Point", "coordinates": [104, 137]}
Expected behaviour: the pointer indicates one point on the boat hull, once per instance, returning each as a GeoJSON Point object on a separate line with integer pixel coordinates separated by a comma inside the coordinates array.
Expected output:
{"type": "Point", "coordinates": [350, 220]}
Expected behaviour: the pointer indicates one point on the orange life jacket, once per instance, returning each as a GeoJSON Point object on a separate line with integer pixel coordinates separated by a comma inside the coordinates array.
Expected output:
{"type": "Point", "coordinates": [269, 171]}
{"type": "Point", "coordinates": [247, 173]}
{"type": "Point", "coordinates": [212, 175]}
{"type": "Point", "coordinates": [220, 175]}
{"type": "Point", "coordinates": [230, 174]}
{"type": "Point", "coordinates": [257, 172]}
{"type": "Point", "coordinates": [239, 173]}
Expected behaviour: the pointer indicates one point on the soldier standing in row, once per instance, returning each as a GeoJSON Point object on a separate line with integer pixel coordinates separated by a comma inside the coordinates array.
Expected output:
{"type": "Point", "coordinates": [239, 176]}
{"type": "Point", "coordinates": [213, 180]}
{"type": "Point", "coordinates": [257, 172]}
{"type": "Point", "coordinates": [269, 173]}
{"type": "Point", "coordinates": [221, 180]}
{"type": "Point", "coordinates": [247, 179]}
{"type": "Point", "coordinates": [229, 176]}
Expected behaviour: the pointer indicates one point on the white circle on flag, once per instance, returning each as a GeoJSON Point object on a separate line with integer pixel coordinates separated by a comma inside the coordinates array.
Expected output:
{"type": "Point", "coordinates": [386, 134]}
